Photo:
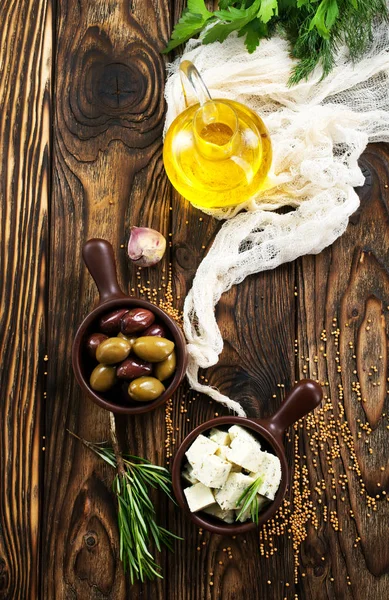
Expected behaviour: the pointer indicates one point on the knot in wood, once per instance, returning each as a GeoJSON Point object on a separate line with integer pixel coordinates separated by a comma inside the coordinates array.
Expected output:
{"type": "Point", "coordinates": [119, 86]}
{"type": "Point", "coordinates": [113, 90]}
{"type": "Point", "coordinates": [90, 539]}
{"type": "Point", "coordinates": [318, 571]}
{"type": "Point", "coordinates": [186, 257]}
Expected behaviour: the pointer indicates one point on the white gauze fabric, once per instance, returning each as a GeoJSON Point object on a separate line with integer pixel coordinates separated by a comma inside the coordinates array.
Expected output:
{"type": "Point", "coordinates": [318, 131]}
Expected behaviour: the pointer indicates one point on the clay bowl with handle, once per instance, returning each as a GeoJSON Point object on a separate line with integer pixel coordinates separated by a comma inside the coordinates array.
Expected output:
{"type": "Point", "coordinates": [301, 400]}
{"type": "Point", "coordinates": [99, 259]}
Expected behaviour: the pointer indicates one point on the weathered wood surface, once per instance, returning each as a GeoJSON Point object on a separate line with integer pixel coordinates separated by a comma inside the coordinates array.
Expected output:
{"type": "Point", "coordinates": [25, 106]}
{"type": "Point", "coordinates": [349, 282]}
{"type": "Point", "coordinates": [107, 174]}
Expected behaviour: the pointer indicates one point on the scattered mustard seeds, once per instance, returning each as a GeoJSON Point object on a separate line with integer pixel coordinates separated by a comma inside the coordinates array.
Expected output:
{"type": "Point", "coordinates": [322, 437]}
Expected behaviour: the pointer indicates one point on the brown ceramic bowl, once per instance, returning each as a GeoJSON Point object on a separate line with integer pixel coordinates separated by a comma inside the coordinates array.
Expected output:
{"type": "Point", "coordinates": [303, 398]}
{"type": "Point", "coordinates": [99, 258]}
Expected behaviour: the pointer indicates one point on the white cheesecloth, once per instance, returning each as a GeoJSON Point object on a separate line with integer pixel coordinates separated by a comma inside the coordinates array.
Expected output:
{"type": "Point", "coordinates": [318, 131]}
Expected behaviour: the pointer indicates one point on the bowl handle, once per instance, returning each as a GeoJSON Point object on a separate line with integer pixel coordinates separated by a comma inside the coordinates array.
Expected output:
{"type": "Point", "coordinates": [302, 398]}
{"type": "Point", "coordinates": [100, 261]}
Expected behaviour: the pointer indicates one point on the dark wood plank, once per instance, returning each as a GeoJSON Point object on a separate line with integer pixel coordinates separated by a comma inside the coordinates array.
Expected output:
{"type": "Point", "coordinates": [349, 282]}
{"type": "Point", "coordinates": [247, 371]}
{"type": "Point", "coordinates": [107, 175]}
{"type": "Point", "coordinates": [25, 98]}
{"type": "Point", "coordinates": [258, 355]}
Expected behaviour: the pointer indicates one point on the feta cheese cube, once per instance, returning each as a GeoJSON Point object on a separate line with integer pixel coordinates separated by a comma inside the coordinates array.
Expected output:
{"type": "Point", "coordinates": [227, 496]}
{"type": "Point", "coordinates": [222, 452]}
{"type": "Point", "coordinates": [270, 471]}
{"type": "Point", "coordinates": [201, 447]}
{"type": "Point", "coordinates": [225, 515]}
{"type": "Point", "coordinates": [212, 471]}
{"type": "Point", "coordinates": [262, 501]}
{"type": "Point", "coordinates": [198, 497]}
{"type": "Point", "coordinates": [220, 437]}
{"type": "Point", "coordinates": [245, 452]}
{"type": "Point", "coordinates": [238, 431]}
{"type": "Point", "coordinates": [187, 474]}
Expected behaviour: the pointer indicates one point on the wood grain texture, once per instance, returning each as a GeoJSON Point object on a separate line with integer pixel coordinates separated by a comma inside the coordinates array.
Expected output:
{"type": "Point", "coordinates": [248, 372]}
{"type": "Point", "coordinates": [25, 99]}
{"type": "Point", "coordinates": [349, 281]}
{"type": "Point", "coordinates": [107, 174]}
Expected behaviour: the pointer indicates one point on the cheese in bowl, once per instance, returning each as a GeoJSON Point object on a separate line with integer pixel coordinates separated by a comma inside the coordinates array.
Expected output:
{"type": "Point", "coordinates": [228, 471]}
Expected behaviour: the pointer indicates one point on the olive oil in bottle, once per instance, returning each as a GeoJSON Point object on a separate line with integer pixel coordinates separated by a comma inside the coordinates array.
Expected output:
{"type": "Point", "coordinates": [217, 153]}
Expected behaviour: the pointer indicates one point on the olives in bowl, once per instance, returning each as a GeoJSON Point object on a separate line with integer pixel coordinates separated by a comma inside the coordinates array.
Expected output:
{"type": "Point", "coordinates": [143, 361]}
{"type": "Point", "coordinates": [110, 385]}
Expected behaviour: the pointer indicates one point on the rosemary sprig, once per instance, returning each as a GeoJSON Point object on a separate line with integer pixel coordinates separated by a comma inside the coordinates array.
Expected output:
{"type": "Point", "coordinates": [138, 529]}
{"type": "Point", "coordinates": [249, 499]}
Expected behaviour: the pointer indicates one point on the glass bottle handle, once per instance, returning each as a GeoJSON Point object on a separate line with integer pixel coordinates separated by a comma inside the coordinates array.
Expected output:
{"type": "Point", "coordinates": [190, 74]}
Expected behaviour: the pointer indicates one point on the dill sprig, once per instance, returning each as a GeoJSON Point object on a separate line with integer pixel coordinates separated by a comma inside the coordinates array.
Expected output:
{"type": "Point", "coordinates": [315, 28]}
{"type": "Point", "coordinates": [138, 529]}
{"type": "Point", "coordinates": [315, 41]}
{"type": "Point", "coordinates": [249, 499]}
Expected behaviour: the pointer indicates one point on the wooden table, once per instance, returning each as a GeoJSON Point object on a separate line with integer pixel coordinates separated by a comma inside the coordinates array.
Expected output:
{"type": "Point", "coordinates": [81, 116]}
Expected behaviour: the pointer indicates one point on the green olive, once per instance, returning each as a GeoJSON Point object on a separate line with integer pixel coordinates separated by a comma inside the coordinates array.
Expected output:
{"type": "Point", "coordinates": [165, 369]}
{"type": "Point", "coordinates": [145, 389]}
{"type": "Point", "coordinates": [152, 348]}
{"type": "Point", "coordinates": [129, 339]}
{"type": "Point", "coordinates": [113, 350]}
{"type": "Point", "coordinates": [102, 378]}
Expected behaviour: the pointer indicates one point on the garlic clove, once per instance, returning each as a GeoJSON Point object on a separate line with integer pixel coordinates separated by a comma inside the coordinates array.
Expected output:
{"type": "Point", "coordinates": [146, 246]}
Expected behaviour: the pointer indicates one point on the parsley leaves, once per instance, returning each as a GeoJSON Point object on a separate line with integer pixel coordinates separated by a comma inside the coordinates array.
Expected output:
{"type": "Point", "coordinates": [192, 21]}
{"type": "Point", "coordinates": [314, 27]}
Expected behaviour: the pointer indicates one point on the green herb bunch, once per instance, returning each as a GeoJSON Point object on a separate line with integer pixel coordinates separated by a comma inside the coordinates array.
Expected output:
{"type": "Point", "coordinates": [315, 28]}
{"type": "Point", "coordinates": [138, 529]}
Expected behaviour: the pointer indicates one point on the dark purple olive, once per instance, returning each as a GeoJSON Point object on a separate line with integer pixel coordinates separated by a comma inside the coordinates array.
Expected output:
{"type": "Point", "coordinates": [93, 341]}
{"type": "Point", "coordinates": [131, 368]}
{"type": "Point", "coordinates": [136, 320]}
{"type": "Point", "coordinates": [156, 330]}
{"type": "Point", "coordinates": [110, 323]}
